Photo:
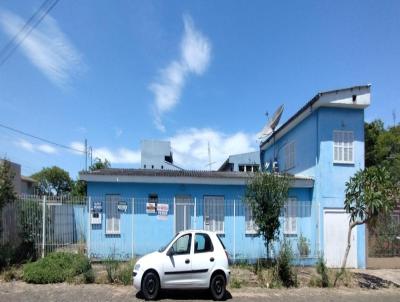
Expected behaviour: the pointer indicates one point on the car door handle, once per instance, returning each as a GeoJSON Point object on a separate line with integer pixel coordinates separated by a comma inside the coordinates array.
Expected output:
{"type": "Point", "coordinates": [212, 259]}
{"type": "Point", "coordinates": [187, 261]}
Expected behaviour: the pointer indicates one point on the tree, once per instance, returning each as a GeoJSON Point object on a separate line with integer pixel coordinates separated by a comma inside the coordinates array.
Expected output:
{"type": "Point", "coordinates": [372, 132]}
{"type": "Point", "coordinates": [79, 188]}
{"type": "Point", "coordinates": [53, 181]}
{"type": "Point", "coordinates": [7, 191]}
{"type": "Point", "coordinates": [388, 151]}
{"type": "Point", "coordinates": [266, 194]}
{"type": "Point", "coordinates": [368, 193]}
{"type": "Point", "coordinates": [99, 164]}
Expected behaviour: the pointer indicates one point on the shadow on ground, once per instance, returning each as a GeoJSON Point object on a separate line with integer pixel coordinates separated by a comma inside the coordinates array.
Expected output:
{"type": "Point", "coordinates": [184, 295]}
{"type": "Point", "coordinates": [372, 282]}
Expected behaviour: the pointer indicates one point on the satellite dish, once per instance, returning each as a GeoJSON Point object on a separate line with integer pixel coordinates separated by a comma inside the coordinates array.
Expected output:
{"type": "Point", "coordinates": [271, 125]}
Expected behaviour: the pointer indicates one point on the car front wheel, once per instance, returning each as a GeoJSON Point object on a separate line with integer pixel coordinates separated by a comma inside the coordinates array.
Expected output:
{"type": "Point", "coordinates": [150, 286]}
{"type": "Point", "coordinates": [217, 287]}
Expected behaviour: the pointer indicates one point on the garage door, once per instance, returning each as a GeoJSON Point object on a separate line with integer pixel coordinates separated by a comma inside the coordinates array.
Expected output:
{"type": "Point", "coordinates": [336, 224]}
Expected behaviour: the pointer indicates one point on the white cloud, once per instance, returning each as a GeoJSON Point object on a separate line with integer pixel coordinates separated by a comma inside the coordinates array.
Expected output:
{"type": "Point", "coordinates": [194, 58]}
{"type": "Point", "coordinates": [46, 47]}
{"type": "Point", "coordinates": [190, 147]}
{"type": "Point", "coordinates": [119, 156]}
{"type": "Point", "coordinates": [45, 148]}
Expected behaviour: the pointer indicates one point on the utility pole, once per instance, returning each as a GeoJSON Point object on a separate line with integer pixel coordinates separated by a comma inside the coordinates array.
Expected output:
{"type": "Point", "coordinates": [86, 154]}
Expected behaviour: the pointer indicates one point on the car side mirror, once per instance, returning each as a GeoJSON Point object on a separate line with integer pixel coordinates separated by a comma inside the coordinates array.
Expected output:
{"type": "Point", "coordinates": [170, 252]}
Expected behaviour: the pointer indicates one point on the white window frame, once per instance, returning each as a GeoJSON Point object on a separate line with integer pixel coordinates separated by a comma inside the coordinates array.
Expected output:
{"type": "Point", "coordinates": [214, 213]}
{"type": "Point", "coordinates": [113, 216]}
{"type": "Point", "coordinates": [290, 155]}
{"type": "Point", "coordinates": [290, 218]}
{"type": "Point", "coordinates": [251, 227]}
{"type": "Point", "coordinates": [343, 145]}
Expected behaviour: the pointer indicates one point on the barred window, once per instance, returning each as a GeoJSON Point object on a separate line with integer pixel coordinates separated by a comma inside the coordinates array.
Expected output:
{"type": "Point", "coordinates": [112, 215]}
{"type": "Point", "coordinates": [214, 213]}
{"type": "Point", "coordinates": [343, 150]}
{"type": "Point", "coordinates": [251, 227]}
{"type": "Point", "coordinates": [290, 225]}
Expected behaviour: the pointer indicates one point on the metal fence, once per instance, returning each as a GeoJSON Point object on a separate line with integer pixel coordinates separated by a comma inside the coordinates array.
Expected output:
{"type": "Point", "coordinates": [125, 227]}
{"type": "Point", "coordinates": [384, 237]}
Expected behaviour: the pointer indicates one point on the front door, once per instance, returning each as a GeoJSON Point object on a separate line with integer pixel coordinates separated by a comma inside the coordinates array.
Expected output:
{"type": "Point", "coordinates": [336, 226]}
{"type": "Point", "coordinates": [184, 208]}
{"type": "Point", "coordinates": [178, 266]}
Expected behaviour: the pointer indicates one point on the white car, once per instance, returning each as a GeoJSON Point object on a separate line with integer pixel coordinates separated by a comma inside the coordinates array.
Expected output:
{"type": "Point", "coordinates": [194, 259]}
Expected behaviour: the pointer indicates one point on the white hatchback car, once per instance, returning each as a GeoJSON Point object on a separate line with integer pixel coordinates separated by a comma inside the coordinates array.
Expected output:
{"type": "Point", "coordinates": [194, 259]}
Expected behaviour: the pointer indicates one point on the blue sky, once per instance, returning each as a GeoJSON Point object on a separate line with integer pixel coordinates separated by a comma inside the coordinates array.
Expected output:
{"type": "Point", "coordinates": [192, 72]}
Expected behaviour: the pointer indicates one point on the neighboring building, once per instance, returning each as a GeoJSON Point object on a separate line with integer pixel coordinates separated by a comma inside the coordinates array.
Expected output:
{"type": "Point", "coordinates": [244, 162]}
{"type": "Point", "coordinates": [157, 155]}
{"type": "Point", "coordinates": [22, 184]}
{"type": "Point", "coordinates": [321, 145]}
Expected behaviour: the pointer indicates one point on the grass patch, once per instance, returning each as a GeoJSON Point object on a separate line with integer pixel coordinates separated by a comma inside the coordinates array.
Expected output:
{"type": "Point", "coordinates": [59, 267]}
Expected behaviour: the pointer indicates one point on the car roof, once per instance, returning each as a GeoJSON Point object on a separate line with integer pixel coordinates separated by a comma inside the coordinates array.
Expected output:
{"type": "Point", "coordinates": [196, 231]}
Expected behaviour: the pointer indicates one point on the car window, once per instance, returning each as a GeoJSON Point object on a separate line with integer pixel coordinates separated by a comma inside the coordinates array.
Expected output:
{"type": "Point", "coordinates": [220, 240]}
{"type": "Point", "coordinates": [182, 245]}
{"type": "Point", "coordinates": [202, 243]}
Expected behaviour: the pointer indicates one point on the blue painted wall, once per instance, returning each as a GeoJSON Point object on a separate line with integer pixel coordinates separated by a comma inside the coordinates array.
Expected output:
{"type": "Point", "coordinates": [150, 234]}
{"type": "Point", "coordinates": [313, 139]}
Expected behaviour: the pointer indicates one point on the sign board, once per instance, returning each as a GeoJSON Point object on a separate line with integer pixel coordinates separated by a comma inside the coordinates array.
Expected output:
{"type": "Point", "coordinates": [97, 206]}
{"type": "Point", "coordinates": [150, 207]}
{"type": "Point", "coordinates": [162, 211]}
{"type": "Point", "coordinates": [122, 206]}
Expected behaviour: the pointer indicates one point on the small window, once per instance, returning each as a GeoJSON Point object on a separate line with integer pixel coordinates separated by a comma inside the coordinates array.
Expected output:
{"type": "Point", "coordinates": [241, 168]}
{"type": "Point", "coordinates": [182, 245]}
{"type": "Point", "coordinates": [144, 166]}
{"type": "Point", "coordinates": [152, 166]}
{"type": "Point", "coordinates": [343, 150]}
{"type": "Point", "coordinates": [290, 225]}
{"type": "Point", "coordinates": [112, 214]}
{"type": "Point", "coordinates": [248, 168]}
{"type": "Point", "coordinates": [202, 243]}
{"type": "Point", "coordinates": [214, 213]}
{"type": "Point", "coordinates": [255, 168]}
{"type": "Point", "coordinates": [289, 156]}
{"type": "Point", "coordinates": [251, 227]}
{"type": "Point", "coordinates": [162, 167]}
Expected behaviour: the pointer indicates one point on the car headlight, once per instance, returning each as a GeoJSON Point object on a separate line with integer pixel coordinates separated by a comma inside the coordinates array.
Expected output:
{"type": "Point", "coordinates": [137, 267]}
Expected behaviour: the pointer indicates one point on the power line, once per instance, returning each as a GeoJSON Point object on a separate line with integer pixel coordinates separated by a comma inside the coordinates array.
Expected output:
{"type": "Point", "coordinates": [41, 139]}
{"type": "Point", "coordinates": [24, 32]}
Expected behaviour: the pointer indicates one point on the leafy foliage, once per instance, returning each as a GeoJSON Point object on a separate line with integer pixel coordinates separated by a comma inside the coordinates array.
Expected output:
{"type": "Point", "coordinates": [7, 193]}
{"type": "Point", "coordinates": [284, 266]}
{"type": "Point", "coordinates": [53, 181]}
{"type": "Point", "coordinates": [368, 193]}
{"type": "Point", "coordinates": [303, 246]}
{"type": "Point", "coordinates": [56, 267]}
{"type": "Point", "coordinates": [266, 194]}
{"type": "Point", "coordinates": [322, 270]}
{"type": "Point", "coordinates": [99, 164]}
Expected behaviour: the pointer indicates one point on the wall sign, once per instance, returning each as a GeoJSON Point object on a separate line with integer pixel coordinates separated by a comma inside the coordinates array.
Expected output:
{"type": "Point", "coordinates": [97, 206]}
{"type": "Point", "coordinates": [150, 207]}
{"type": "Point", "coordinates": [122, 206]}
{"type": "Point", "coordinates": [162, 211]}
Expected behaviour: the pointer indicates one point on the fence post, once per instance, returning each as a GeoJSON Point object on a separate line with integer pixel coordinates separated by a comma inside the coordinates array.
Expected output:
{"type": "Point", "coordinates": [174, 228]}
{"type": "Point", "coordinates": [43, 225]}
{"type": "Point", "coordinates": [89, 226]}
{"type": "Point", "coordinates": [234, 231]}
{"type": "Point", "coordinates": [133, 220]}
{"type": "Point", "coordinates": [195, 214]}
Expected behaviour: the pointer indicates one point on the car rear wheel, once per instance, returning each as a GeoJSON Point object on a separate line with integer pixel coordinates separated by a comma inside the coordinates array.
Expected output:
{"type": "Point", "coordinates": [150, 286]}
{"type": "Point", "coordinates": [217, 287]}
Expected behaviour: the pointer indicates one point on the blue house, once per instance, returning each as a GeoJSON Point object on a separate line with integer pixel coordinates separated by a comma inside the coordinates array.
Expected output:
{"type": "Point", "coordinates": [135, 211]}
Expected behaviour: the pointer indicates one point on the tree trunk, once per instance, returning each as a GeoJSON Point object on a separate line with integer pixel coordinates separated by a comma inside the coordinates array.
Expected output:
{"type": "Point", "coordinates": [346, 254]}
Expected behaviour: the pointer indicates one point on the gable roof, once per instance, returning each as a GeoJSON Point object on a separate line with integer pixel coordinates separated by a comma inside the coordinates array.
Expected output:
{"type": "Point", "coordinates": [313, 104]}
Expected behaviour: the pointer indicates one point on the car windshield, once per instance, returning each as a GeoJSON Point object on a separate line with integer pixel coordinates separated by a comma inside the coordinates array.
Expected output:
{"type": "Point", "coordinates": [162, 249]}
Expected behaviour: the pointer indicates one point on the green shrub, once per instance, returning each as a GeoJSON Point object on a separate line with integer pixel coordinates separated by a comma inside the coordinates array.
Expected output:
{"type": "Point", "coordinates": [322, 270]}
{"type": "Point", "coordinates": [284, 268]}
{"type": "Point", "coordinates": [124, 274]}
{"type": "Point", "coordinates": [112, 266]}
{"type": "Point", "coordinates": [303, 246]}
{"type": "Point", "coordinates": [56, 267]}
{"type": "Point", "coordinates": [235, 283]}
